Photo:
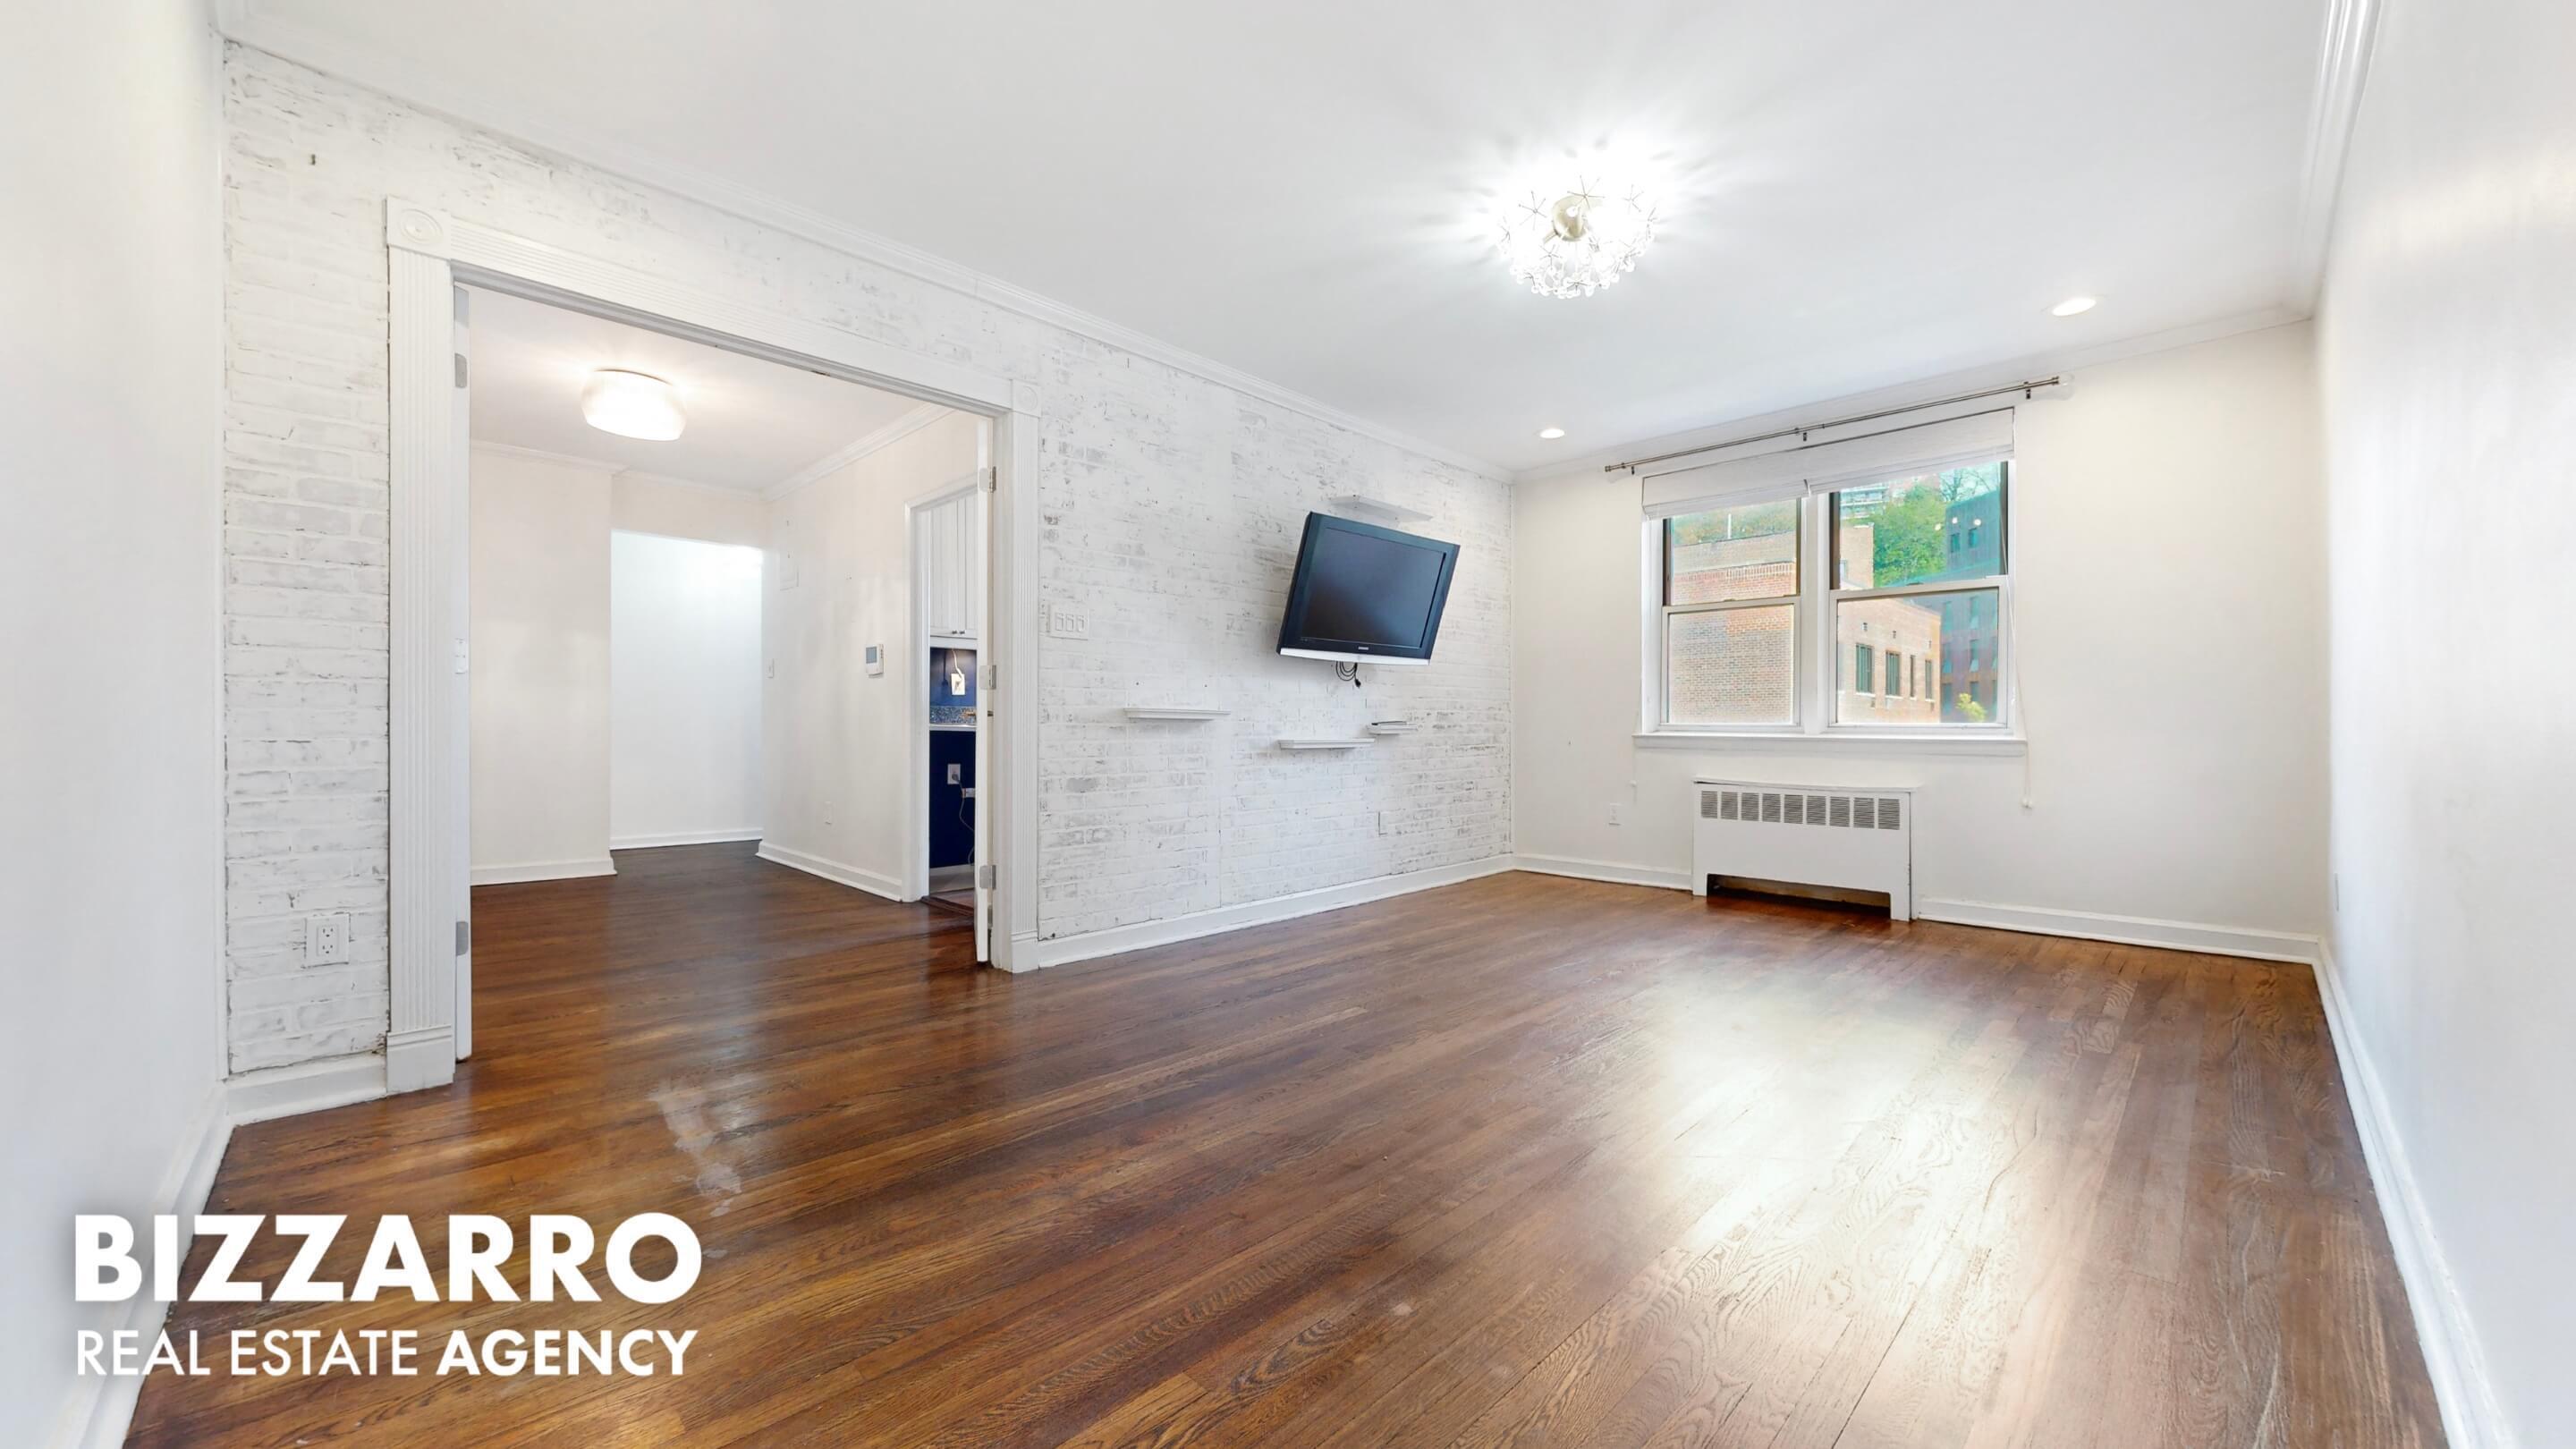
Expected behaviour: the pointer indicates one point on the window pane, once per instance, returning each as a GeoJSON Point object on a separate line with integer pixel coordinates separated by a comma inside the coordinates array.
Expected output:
{"type": "Point", "coordinates": [1731, 666]}
{"type": "Point", "coordinates": [1732, 553]}
{"type": "Point", "coordinates": [1945, 525]}
{"type": "Point", "coordinates": [1953, 662]}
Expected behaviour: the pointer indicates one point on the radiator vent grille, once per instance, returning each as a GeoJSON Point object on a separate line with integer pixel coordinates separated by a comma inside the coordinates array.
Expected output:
{"type": "Point", "coordinates": [1778, 807]}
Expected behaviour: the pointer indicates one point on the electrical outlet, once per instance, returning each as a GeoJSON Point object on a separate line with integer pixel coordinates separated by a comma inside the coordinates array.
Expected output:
{"type": "Point", "coordinates": [1618, 813]}
{"type": "Point", "coordinates": [326, 938]}
{"type": "Point", "coordinates": [1381, 822]}
{"type": "Point", "coordinates": [953, 776]}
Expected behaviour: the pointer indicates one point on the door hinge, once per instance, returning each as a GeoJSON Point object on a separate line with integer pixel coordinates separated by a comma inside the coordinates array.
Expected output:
{"type": "Point", "coordinates": [464, 937]}
{"type": "Point", "coordinates": [984, 877]}
{"type": "Point", "coordinates": [460, 369]}
{"type": "Point", "coordinates": [462, 656]}
{"type": "Point", "coordinates": [992, 478]}
{"type": "Point", "coordinates": [991, 673]}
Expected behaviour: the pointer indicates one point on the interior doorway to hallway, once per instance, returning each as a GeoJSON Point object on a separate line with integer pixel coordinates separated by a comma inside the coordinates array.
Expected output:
{"type": "Point", "coordinates": [711, 599]}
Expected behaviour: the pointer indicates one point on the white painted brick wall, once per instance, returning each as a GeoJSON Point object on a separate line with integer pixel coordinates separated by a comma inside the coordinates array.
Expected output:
{"type": "Point", "coordinates": [1172, 508]}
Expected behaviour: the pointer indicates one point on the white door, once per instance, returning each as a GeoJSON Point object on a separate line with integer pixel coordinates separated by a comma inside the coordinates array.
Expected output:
{"type": "Point", "coordinates": [976, 519]}
{"type": "Point", "coordinates": [460, 725]}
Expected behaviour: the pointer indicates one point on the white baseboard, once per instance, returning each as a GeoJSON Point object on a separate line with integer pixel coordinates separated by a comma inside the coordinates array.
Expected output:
{"type": "Point", "coordinates": [1609, 870]}
{"type": "Point", "coordinates": [1016, 954]}
{"type": "Point", "coordinates": [833, 870]}
{"type": "Point", "coordinates": [542, 870]}
{"type": "Point", "coordinates": [2038, 920]}
{"type": "Point", "coordinates": [1137, 937]}
{"type": "Point", "coordinates": [102, 1409]}
{"type": "Point", "coordinates": [304, 1087]}
{"type": "Point", "coordinates": [2127, 930]}
{"type": "Point", "coordinates": [685, 837]}
{"type": "Point", "coordinates": [421, 1058]}
{"type": "Point", "coordinates": [2471, 1416]}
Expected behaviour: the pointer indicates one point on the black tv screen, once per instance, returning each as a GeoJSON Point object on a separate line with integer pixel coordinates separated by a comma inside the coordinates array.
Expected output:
{"type": "Point", "coordinates": [1366, 593]}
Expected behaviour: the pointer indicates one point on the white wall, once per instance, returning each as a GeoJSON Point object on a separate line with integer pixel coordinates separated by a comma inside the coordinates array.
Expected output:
{"type": "Point", "coordinates": [110, 417]}
{"type": "Point", "coordinates": [538, 595]}
{"type": "Point", "coordinates": [2169, 601]}
{"type": "Point", "coordinates": [642, 503]}
{"type": "Point", "coordinates": [838, 739]}
{"type": "Point", "coordinates": [2448, 354]}
{"type": "Point", "coordinates": [1169, 502]}
{"type": "Point", "coordinates": [684, 691]}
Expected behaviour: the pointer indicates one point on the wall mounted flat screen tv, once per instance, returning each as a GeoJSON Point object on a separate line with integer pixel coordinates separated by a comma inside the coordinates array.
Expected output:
{"type": "Point", "coordinates": [1366, 593]}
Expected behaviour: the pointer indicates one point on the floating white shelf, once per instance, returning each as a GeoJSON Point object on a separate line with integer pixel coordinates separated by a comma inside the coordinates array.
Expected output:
{"type": "Point", "coordinates": [1162, 711]}
{"type": "Point", "coordinates": [1379, 508]}
{"type": "Point", "coordinates": [1395, 727]}
{"type": "Point", "coordinates": [1323, 744]}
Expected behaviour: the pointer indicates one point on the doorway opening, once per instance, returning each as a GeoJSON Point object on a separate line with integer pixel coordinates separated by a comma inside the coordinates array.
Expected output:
{"type": "Point", "coordinates": [743, 621]}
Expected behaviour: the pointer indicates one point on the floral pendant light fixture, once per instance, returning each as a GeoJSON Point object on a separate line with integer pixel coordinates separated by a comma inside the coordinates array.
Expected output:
{"type": "Point", "coordinates": [1577, 243]}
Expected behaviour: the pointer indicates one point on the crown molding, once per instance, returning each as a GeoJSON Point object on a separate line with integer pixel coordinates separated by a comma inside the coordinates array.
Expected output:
{"type": "Point", "coordinates": [2343, 68]}
{"type": "Point", "coordinates": [637, 475]}
{"type": "Point", "coordinates": [541, 455]}
{"type": "Point", "coordinates": [920, 416]}
{"type": "Point", "coordinates": [241, 22]}
{"type": "Point", "coordinates": [1995, 374]}
{"type": "Point", "coordinates": [617, 471]}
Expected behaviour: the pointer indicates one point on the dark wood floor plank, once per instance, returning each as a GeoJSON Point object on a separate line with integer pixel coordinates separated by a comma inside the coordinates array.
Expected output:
{"type": "Point", "coordinates": [1523, 1161]}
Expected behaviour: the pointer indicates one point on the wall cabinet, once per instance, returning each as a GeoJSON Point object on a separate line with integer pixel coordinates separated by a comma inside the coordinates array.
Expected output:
{"type": "Point", "coordinates": [951, 594]}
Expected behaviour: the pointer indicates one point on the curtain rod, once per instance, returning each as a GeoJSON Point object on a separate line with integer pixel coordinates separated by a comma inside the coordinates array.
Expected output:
{"type": "Point", "coordinates": [2024, 388]}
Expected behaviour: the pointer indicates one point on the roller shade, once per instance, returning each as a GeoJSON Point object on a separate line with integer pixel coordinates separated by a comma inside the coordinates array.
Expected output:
{"type": "Point", "coordinates": [1867, 457]}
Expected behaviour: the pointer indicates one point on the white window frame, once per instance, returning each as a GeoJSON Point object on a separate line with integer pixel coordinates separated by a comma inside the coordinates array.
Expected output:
{"type": "Point", "coordinates": [1812, 723]}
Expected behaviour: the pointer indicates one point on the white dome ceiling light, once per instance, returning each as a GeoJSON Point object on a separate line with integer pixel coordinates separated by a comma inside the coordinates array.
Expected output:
{"type": "Point", "coordinates": [633, 405]}
{"type": "Point", "coordinates": [1578, 242]}
{"type": "Point", "coordinates": [2072, 306]}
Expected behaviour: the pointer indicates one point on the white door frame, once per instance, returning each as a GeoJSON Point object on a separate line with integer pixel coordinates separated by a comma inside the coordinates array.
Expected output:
{"type": "Point", "coordinates": [916, 853]}
{"type": "Point", "coordinates": [429, 253]}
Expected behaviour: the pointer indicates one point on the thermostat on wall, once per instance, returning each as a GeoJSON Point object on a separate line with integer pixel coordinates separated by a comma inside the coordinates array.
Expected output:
{"type": "Point", "coordinates": [876, 659]}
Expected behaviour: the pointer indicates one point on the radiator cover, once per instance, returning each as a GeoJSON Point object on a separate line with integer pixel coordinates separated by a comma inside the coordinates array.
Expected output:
{"type": "Point", "coordinates": [1819, 835]}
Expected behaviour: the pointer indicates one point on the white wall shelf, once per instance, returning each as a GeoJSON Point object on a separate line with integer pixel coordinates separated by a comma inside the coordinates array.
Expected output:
{"type": "Point", "coordinates": [1395, 727]}
{"type": "Point", "coordinates": [1378, 510]}
{"type": "Point", "coordinates": [1323, 744]}
{"type": "Point", "coordinates": [1173, 711]}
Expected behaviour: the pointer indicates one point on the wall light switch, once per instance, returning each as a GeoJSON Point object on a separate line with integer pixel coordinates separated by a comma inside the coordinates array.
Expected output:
{"type": "Point", "coordinates": [876, 659]}
{"type": "Point", "coordinates": [1063, 623]}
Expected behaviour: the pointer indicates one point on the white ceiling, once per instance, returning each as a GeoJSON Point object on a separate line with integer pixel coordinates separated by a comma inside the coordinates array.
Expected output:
{"type": "Point", "coordinates": [752, 423]}
{"type": "Point", "coordinates": [1856, 194]}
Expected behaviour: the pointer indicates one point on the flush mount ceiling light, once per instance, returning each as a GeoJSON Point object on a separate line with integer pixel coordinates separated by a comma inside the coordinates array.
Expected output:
{"type": "Point", "coordinates": [1579, 241]}
{"type": "Point", "coordinates": [1551, 434]}
{"type": "Point", "coordinates": [633, 405]}
{"type": "Point", "coordinates": [2071, 306]}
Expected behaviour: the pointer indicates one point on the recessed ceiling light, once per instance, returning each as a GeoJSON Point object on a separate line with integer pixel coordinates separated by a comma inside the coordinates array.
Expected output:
{"type": "Point", "coordinates": [2071, 306]}
{"type": "Point", "coordinates": [1551, 433]}
{"type": "Point", "coordinates": [633, 405]}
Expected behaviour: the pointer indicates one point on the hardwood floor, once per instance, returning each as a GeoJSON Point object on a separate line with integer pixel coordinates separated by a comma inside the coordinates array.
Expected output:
{"type": "Point", "coordinates": [1520, 1161]}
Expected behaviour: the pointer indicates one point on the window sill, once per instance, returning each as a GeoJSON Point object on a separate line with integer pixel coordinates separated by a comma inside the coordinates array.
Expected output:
{"type": "Point", "coordinates": [1784, 742]}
